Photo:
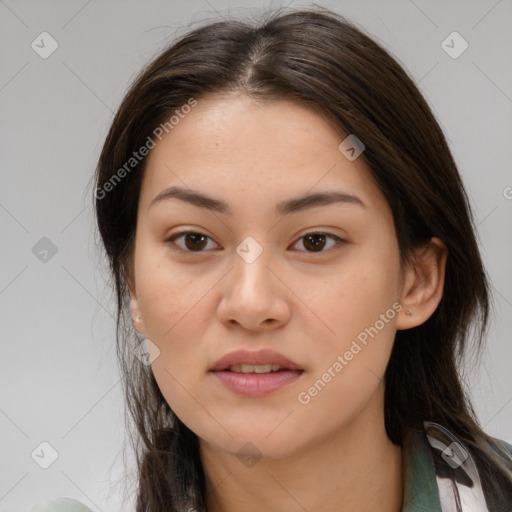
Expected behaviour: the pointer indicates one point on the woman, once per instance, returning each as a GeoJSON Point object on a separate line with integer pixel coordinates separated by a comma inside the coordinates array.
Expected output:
{"type": "Point", "coordinates": [287, 230]}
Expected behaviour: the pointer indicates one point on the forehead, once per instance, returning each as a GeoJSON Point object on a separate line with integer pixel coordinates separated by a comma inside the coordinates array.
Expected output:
{"type": "Point", "coordinates": [253, 150]}
{"type": "Point", "coordinates": [243, 126]}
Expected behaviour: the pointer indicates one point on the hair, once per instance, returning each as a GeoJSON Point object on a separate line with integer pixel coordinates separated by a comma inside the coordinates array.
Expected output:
{"type": "Point", "coordinates": [319, 59]}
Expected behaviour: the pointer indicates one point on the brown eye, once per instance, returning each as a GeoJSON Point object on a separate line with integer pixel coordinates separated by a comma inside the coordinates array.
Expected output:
{"type": "Point", "coordinates": [197, 242]}
{"type": "Point", "coordinates": [317, 241]}
{"type": "Point", "coordinates": [192, 241]}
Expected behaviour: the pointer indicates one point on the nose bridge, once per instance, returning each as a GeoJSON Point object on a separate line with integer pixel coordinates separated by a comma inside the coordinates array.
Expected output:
{"type": "Point", "coordinates": [252, 296]}
{"type": "Point", "coordinates": [251, 268]}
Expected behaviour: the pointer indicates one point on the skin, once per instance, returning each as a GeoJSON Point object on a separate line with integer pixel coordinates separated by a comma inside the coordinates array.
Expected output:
{"type": "Point", "coordinates": [310, 306]}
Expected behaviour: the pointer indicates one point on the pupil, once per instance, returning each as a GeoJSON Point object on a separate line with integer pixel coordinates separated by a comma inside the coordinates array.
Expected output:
{"type": "Point", "coordinates": [309, 241]}
{"type": "Point", "coordinates": [195, 237]}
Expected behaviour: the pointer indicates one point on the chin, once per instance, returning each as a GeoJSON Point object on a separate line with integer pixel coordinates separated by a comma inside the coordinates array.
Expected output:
{"type": "Point", "coordinates": [254, 443]}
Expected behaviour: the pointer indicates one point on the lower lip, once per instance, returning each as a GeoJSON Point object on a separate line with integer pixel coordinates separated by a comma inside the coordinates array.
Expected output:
{"type": "Point", "coordinates": [256, 384]}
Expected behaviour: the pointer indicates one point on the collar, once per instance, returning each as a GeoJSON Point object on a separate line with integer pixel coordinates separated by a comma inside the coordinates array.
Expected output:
{"type": "Point", "coordinates": [420, 488]}
{"type": "Point", "coordinates": [439, 473]}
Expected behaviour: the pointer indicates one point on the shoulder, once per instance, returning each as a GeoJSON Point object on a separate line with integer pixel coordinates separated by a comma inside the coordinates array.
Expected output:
{"type": "Point", "coordinates": [507, 447]}
{"type": "Point", "coordinates": [503, 449]}
{"type": "Point", "coordinates": [61, 505]}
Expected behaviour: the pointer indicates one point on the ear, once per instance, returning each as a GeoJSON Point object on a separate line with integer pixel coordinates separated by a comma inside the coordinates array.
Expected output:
{"type": "Point", "coordinates": [423, 284]}
{"type": "Point", "coordinates": [137, 319]}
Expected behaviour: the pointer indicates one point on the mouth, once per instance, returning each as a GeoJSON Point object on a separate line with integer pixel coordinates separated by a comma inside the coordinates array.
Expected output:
{"type": "Point", "coordinates": [257, 368]}
{"type": "Point", "coordinates": [263, 361]}
{"type": "Point", "coordinates": [255, 374]}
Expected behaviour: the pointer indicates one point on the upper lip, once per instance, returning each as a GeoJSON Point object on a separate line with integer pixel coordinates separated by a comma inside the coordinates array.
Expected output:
{"type": "Point", "coordinates": [260, 357]}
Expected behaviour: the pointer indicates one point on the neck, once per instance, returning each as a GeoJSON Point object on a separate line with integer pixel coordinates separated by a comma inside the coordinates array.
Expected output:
{"type": "Point", "coordinates": [357, 468]}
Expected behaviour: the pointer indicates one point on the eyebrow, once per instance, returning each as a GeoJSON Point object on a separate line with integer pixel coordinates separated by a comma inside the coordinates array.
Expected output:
{"type": "Point", "coordinates": [298, 204]}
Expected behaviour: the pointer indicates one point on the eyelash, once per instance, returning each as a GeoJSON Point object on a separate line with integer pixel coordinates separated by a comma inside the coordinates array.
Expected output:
{"type": "Point", "coordinates": [175, 236]}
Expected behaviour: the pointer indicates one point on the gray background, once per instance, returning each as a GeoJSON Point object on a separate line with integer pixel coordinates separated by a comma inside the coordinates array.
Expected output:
{"type": "Point", "coordinates": [58, 375]}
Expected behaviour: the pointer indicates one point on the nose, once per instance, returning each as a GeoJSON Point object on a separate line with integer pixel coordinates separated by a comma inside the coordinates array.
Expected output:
{"type": "Point", "coordinates": [254, 295]}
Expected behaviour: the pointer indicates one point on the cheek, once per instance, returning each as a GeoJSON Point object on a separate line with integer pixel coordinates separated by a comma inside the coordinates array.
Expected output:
{"type": "Point", "coordinates": [170, 303]}
{"type": "Point", "coordinates": [174, 315]}
{"type": "Point", "coordinates": [355, 307]}
{"type": "Point", "coordinates": [165, 291]}
{"type": "Point", "coordinates": [173, 310]}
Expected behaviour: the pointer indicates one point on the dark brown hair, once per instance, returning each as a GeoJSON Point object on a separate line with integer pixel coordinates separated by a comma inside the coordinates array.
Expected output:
{"type": "Point", "coordinates": [319, 59]}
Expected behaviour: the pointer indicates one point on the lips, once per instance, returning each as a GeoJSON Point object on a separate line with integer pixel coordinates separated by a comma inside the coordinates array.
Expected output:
{"type": "Point", "coordinates": [256, 374]}
{"type": "Point", "coordinates": [234, 361]}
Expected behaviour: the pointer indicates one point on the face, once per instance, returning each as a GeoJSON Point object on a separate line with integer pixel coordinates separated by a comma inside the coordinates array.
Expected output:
{"type": "Point", "coordinates": [318, 283]}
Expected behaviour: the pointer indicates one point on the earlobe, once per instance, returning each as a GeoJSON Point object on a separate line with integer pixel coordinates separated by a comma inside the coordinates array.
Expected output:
{"type": "Point", "coordinates": [424, 284]}
{"type": "Point", "coordinates": [134, 303]}
{"type": "Point", "coordinates": [135, 308]}
{"type": "Point", "coordinates": [136, 314]}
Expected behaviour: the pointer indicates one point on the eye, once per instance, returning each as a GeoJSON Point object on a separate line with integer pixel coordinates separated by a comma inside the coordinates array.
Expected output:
{"type": "Point", "coordinates": [316, 241]}
{"type": "Point", "coordinates": [193, 241]}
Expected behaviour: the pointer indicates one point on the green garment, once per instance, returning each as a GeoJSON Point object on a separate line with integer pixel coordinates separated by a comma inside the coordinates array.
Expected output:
{"type": "Point", "coordinates": [61, 505]}
{"type": "Point", "coordinates": [421, 491]}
